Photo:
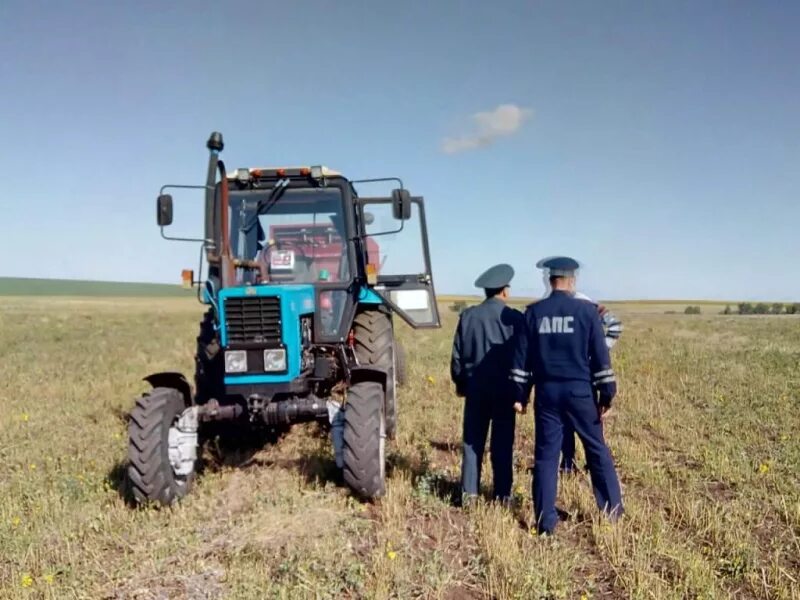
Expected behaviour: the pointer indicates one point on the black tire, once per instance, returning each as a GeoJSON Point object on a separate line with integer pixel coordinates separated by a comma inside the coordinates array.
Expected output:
{"type": "Point", "coordinates": [150, 473]}
{"type": "Point", "coordinates": [400, 364]}
{"type": "Point", "coordinates": [375, 345]}
{"type": "Point", "coordinates": [364, 434]}
{"type": "Point", "coordinates": [209, 368]}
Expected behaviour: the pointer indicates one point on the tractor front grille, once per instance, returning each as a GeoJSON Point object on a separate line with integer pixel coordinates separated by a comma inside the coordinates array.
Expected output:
{"type": "Point", "coordinates": [253, 320]}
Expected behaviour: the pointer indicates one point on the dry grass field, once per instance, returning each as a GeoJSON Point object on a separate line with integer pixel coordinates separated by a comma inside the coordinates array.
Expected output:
{"type": "Point", "coordinates": [705, 435]}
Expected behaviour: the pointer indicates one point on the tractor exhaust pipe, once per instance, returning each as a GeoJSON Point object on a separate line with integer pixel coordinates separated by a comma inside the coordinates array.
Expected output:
{"type": "Point", "coordinates": [215, 146]}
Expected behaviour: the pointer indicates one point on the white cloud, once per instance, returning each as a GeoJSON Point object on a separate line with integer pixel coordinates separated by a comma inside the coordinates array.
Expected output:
{"type": "Point", "coordinates": [502, 121]}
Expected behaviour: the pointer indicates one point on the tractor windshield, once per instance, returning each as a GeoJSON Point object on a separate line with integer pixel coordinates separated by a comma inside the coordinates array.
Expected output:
{"type": "Point", "coordinates": [297, 239]}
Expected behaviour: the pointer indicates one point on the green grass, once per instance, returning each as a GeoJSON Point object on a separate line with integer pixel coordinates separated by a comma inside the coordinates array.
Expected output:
{"type": "Point", "coordinates": [705, 436]}
{"type": "Point", "coordinates": [16, 286]}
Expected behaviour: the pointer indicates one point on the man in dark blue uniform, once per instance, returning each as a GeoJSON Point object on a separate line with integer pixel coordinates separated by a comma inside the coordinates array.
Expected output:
{"type": "Point", "coordinates": [612, 327]}
{"type": "Point", "coordinates": [562, 351]}
{"type": "Point", "coordinates": [479, 368]}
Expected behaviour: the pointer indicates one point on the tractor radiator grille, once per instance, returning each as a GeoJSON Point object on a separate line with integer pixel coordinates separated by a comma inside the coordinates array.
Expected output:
{"type": "Point", "coordinates": [253, 320]}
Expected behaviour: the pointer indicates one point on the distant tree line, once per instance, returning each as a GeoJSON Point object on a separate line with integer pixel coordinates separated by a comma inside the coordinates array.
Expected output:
{"type": "Point", "coordinates": [762, 308]}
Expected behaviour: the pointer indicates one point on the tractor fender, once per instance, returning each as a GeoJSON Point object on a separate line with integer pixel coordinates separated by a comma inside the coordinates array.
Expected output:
{"type": "Point", "coordinates": [174, 381]}
{"type": "Point", "coordinates": [362, 373]}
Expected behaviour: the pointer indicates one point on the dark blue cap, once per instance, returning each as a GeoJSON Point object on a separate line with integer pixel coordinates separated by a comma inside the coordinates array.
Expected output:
{"type": "Point", "coordinates": [559, 266]}
{"type": "Point", "coordinates": [496, 277]}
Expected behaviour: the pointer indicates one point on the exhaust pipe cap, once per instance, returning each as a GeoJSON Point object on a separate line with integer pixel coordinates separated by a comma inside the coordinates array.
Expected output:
{"type": "Point", "coordinates": [215, 142]}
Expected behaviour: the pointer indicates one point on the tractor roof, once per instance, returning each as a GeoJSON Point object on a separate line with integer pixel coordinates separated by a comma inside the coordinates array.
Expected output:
{"type": "Point", "coordinates": [327, 172]}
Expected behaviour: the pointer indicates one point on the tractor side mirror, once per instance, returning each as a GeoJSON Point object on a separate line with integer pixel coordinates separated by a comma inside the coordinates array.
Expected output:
{"type": "Point", "coordinates": [164, 216]}
{"type": "Point", "coordinates": [401, 204]}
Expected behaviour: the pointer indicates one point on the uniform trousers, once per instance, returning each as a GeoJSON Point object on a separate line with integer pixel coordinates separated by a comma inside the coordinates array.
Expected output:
{"type": "Point", "coordinates": [481, 410]}
{"type": "Point", "coordinates": [557, 402]}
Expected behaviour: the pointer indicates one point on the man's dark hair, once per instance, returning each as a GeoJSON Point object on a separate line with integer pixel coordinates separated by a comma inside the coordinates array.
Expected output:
{"type": "Point", "coordinates": [492, 292]}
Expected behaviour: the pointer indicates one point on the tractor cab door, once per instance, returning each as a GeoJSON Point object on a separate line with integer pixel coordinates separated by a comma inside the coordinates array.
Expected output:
{"type": "Point", "coordinates": [397, 258]}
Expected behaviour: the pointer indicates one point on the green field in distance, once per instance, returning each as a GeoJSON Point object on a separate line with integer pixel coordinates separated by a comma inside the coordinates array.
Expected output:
{"type": "Point", "coordinates": [17, 286]}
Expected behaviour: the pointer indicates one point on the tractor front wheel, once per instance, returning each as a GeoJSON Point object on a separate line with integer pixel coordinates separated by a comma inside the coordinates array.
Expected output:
{"type": "Point", "coordinates": [162, 447]}
{"type": "Point", "coordinates": [364, 439]}
{"type": "Point", "coordinates": [375, 345]}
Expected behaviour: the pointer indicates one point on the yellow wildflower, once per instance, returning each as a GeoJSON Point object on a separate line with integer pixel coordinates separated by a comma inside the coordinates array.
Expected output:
{"type": "Point", "coordinates": [26, 581]}
{"type": "Point", "coordinates": [16, 521]}
{"type": "Point", "coordinates": [430, 379]}
{"type": "Point", "coordinates": [24, 417]}
{"type": "Point", "coordinates": [391, 554]}
{"type": "Point", "coordinates": [32, 466]}
{"type": "Point", "coordinates": [49, 579]}
{"type": "Point", "coordinates": [763, 468]}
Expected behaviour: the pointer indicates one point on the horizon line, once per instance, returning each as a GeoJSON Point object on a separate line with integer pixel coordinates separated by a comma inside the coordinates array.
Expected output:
{"type": "Point", "coordinates": [445, 296]}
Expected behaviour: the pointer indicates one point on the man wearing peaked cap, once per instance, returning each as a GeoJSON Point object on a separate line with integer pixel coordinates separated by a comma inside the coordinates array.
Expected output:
{"type": "Point", "coordinates": [562, 352]}
{"type": "Point", "coordinates": [497, 277]}
{"type": "Point", "coordinates": [479, 366]}
{"type": "Point", "coordinates": [612, 327]}
{"type": "Point", "coordinates": [560, 266]}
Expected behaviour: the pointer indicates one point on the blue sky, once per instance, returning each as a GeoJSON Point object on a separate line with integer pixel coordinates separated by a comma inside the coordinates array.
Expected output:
{"type": "Point", "coordinates": [657, 142]}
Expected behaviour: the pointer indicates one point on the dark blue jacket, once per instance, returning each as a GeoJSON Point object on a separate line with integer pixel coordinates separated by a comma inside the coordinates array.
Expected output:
{"type": "Point", "coordinates": [482, 347]}
{"type": "Point", "coordinates": [562, 340]}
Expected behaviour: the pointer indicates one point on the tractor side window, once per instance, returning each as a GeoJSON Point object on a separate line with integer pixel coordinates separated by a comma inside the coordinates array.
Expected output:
{"type": "Point", "coordinates": [394, 252]}
{"type": "Point", "coordinates": [331, 308]}
{"type": "Point", "coordinates": [399, 250]}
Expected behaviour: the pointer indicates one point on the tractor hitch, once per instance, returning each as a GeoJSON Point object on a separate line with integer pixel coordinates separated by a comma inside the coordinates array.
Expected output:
{"type": "Point", "coordinates": [214, 411]}
{"type": "Point", "coordinates": [296, 410]}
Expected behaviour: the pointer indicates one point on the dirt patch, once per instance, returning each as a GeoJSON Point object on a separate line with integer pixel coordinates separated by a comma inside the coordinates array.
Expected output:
{"type": "Point", "coordinates": [206, 585]}
{"type": "Point", "coordinates": [463, 592]}
{"type": "Point", "coordinates": [720, 491]}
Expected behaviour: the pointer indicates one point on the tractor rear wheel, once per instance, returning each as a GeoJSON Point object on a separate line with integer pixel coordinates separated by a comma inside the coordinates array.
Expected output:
{"type": "Point", "coordinates": [375, 345]}
{"type": "Point", "coordinates": [161, 447]}
{"type": "Point", "coordinates": [364, 439]}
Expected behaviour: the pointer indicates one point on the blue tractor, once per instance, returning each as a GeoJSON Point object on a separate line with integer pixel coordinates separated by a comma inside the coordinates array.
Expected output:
{"type": "Point", "coordinates": [299, 325]}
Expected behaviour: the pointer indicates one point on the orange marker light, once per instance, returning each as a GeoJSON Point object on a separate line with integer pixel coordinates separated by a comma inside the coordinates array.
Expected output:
{"type": "Point", "coordinates": [372, 274]}
{"type": "Point", "coordinates": [255, 172]}
{"type": "Point", "coordinates": [187, 275]}
{"type": "Point", "coordinates": [305, 171]}
{"type": "Point", "coordinates": [281, 172]}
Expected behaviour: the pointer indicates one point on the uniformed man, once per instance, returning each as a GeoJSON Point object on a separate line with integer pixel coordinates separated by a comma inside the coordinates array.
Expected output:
{"type": "Point", "coordinates": [561, 350]}
{"type": "Point", "coordinates": [612, 327]}
{"type": "Point", "coordinates": [479, 368]}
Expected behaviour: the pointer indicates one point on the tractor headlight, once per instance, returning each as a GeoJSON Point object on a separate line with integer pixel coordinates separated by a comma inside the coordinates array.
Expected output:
{"type": "Point", "coordinates": [275, 359]}
{"type": "Point", "coordinates": [236, 361]}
